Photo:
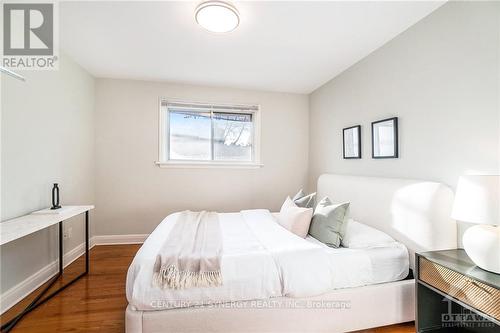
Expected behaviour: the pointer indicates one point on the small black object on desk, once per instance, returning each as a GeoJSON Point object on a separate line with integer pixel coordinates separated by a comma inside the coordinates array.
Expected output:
{"type": "Point", "coordinates": [55, 197]}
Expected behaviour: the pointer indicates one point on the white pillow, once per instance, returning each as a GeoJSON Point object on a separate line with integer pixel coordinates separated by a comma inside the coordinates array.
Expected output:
{"type": "Point", "coordinates": [359, 235]}
{"type": "Point", "coordinates": [295, 219]}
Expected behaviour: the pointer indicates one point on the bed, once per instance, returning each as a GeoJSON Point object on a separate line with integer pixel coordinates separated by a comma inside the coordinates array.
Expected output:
{"type": "Point", "coordinates": [275, 281]}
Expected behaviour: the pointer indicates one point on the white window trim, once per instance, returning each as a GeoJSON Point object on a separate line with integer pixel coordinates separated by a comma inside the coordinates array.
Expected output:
{"type": "Point", "coordinates": [164, 162]}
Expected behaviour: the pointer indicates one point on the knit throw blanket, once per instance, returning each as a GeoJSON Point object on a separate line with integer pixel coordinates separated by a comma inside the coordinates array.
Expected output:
{"type": "Point", "coordinates": [190, 256]}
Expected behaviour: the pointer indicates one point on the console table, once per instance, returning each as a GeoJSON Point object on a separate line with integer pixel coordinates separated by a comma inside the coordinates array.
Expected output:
{"type": "Point", "coordinates": [11, 230]}
{"type": "Point", "coordinates": [454, 295]}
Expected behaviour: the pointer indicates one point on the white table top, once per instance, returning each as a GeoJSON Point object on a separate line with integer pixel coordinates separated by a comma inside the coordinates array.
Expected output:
{"type": "Point", "coordinates": [24, 225]}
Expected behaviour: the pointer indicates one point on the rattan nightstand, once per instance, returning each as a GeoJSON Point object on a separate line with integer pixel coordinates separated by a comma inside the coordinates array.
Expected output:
{"type": "Point", "coordinates": [454, 295]}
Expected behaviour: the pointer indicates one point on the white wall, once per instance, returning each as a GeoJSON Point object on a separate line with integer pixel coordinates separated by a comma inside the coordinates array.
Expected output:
{"type": "Point", "coordinates": [440, 78]}
{"type": "Point", "coordinates": [133, 194]}
{"type": "Point", "coordinates": [47, 136]}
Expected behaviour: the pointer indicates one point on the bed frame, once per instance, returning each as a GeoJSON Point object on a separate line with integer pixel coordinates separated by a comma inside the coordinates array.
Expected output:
{"type": "Point", "coordinates": [416, 213]}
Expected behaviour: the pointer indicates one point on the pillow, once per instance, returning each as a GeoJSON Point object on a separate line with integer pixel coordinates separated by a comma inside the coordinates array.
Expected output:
{"type": "Point", "coordinates": [328, 222]}
{"type": "Point", "coordinates": [303, 200]}
{"type": "Point", "coordinates": [299, 195]}
{"type": "Point", "coordinates": [359, 235]}
{"type": "Point", "coordinates": [295, 219]}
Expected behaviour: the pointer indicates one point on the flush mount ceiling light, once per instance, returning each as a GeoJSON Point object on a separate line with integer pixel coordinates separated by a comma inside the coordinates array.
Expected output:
{"type": "Point", "coordinates": [217, 16]}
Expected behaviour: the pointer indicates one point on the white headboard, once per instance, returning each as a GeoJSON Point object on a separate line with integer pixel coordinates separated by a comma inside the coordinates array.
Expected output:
{"type": "Point", "coordinates": [415, 213]}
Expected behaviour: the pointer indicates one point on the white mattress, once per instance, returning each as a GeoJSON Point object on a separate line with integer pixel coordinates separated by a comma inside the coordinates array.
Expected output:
{"type": "Point", "coordinates": [261, 260]}
{"type": "Point", "coordinates": [380, 264]}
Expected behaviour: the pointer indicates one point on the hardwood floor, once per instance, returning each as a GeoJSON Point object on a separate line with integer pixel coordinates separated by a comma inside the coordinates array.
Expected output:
{"type": "Point", "coordinates": [97, 302]}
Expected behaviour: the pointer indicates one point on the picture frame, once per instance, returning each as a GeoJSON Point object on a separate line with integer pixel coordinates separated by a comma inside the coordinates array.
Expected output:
{"type": "Point", "coordinates": [351, 142]}
{"type": "Point", "coordinates": [385, 138]}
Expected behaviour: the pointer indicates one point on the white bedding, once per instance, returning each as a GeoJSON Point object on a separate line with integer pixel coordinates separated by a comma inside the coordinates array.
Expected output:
{"type": "Point", "coordinates": [260, 260]}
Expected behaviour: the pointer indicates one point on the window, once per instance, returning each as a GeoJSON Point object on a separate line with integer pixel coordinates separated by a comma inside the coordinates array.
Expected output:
{"type": "Point", "coordinates": [206, 134]}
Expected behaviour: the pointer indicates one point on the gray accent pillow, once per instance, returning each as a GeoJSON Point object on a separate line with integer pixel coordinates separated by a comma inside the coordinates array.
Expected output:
{"type": "Point", "coordinates": [303, 200]}
{"type": "Point", "coordinates": [300, 194]}
{"type": "Point", "coordinates": [329, 222]}
{"type": "Point", "coordinates": [307, 201]}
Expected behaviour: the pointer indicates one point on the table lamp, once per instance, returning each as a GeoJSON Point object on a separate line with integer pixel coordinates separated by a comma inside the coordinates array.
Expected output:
{"type": "Point", "coordinates": [477, 201]}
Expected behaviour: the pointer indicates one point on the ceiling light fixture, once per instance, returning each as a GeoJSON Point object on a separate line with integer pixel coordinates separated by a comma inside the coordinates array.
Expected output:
{"type": "Point", "coordinates": [217, 16]}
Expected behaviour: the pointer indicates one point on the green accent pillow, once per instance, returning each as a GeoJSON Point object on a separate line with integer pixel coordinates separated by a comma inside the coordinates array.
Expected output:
{"type": "Point", "coordinates": [329, 222]}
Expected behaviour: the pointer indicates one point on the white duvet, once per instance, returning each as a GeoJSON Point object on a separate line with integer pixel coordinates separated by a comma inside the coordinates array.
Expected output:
{"type": "Point", "coordinates": [260, 260]}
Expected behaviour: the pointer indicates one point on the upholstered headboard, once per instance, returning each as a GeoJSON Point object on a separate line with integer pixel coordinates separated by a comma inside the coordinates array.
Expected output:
{"type": "Point", "coordinates": [414, 212]}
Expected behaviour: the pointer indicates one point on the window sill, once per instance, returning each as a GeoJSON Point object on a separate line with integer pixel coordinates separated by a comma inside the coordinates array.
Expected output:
{"type": "Point", "coordinates": [202, 165]}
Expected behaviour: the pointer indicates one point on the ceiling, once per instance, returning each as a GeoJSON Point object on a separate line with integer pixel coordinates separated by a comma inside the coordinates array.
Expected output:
{"type": "Point", "coordinates": [279, 46]}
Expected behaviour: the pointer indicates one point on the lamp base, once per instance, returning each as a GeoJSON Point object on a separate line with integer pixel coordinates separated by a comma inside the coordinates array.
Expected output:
{"type": "Point", "coordinates": [482, 245]}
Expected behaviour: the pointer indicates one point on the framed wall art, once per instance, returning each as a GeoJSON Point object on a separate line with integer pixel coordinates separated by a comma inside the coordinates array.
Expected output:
{"type": "Point", "coordinates": [385, 138]}
{"type": "Point", "coordinates": [351, 137]}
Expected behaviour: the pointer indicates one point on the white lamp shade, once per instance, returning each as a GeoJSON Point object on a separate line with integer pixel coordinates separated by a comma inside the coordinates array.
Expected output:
{"type": "Point", "coordinates": [477, 200]}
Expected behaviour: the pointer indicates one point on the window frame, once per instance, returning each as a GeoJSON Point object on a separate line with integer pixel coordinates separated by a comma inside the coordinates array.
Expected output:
{"type": "Point", "coordinates": [164, 160]}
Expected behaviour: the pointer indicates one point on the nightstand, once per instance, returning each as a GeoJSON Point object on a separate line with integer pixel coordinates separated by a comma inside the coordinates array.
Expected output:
{"type": "Point", "coordinates": [454, 295]}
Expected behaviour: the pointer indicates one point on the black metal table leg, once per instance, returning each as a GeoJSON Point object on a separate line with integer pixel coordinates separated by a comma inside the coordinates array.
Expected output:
{"type": "Point", "coordinates": [11, 323]}
{"type": "Point", "coordinates": [7, 327]}
{"type": "Point", "coordinates": [61, 255]}
{"type": "Point", "coordinates": [87, 259]}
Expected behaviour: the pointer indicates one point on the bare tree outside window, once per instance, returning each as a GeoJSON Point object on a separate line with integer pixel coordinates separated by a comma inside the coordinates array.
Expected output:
{"type": "Point", "coordinates": [198, 135]}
